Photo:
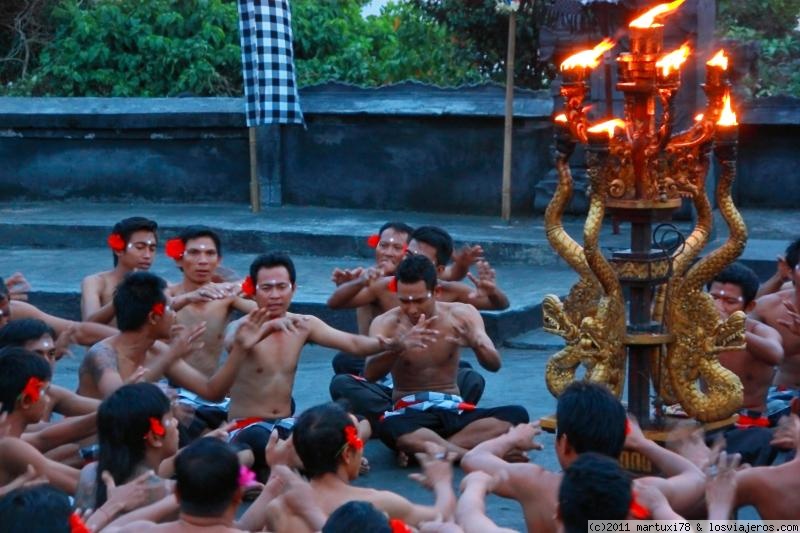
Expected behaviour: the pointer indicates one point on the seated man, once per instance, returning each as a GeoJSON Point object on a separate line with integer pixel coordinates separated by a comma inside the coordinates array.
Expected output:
{"type": "Point", "coordinates": [589, 419]}
{"type": "Point", "coordinates": [325, 438]}
{"type": "Point", "coordinates": [133, 246]}
{"type": "Point", "coordinates": [428, 408]}
{"type": "Point", "coordinates": [373, 399]}
{"type": "Point", "coordinates": [391, 244]}
{"type": "Point", "coordinates": [37, 337]}
{"type": "Point", "coordinates": [197, 252]}
{"type": "Point", "coordinates": [24, 380]}
{"type": "Point", "coordinates": [144, 318]}
{"type": "Point", "coordinates": [776, 310]}
{"type": "Point", "coordinates": [261, 398]}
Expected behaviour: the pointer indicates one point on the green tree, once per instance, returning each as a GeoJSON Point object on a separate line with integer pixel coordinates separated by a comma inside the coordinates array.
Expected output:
{"type": "Point", "coordinates": [483, 35]}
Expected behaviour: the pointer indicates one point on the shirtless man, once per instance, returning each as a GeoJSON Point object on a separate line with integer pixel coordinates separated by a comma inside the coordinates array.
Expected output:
{"type": "Point", "coordinates": [776, 310]}
{"type": "Point", "coordinates": [428, 408]}
{"type": "Point", "coordinates": [437, 245]}
{"type": "Point", "coordinates": [197, 299]}
{"type": "Point", "coordinates": [589, 419]}
{"type": "Point", "coordinates": [261, 398]}
{"type": "Point", "coordinates": [144, 318]}
{"type": "Point", "coordinates": [391, 245]}
{"type": "Point", "coordinates": [67, 331]}
{"type": "Point", "coordinates": [373, 399]}
{"type": "Point", "coordinates": [24, 381]}
{"type": "Point", "coordinates": [37, 337]}
{"type": "Point", "coordinates": [326, 441]}
{"type": "Point", "coordinates": [133, 246]}
{"type": "Point", "coordinates": [734, 289]}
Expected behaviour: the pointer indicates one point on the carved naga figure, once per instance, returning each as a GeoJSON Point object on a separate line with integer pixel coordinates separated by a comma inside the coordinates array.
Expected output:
{"type": "Point", "coordinates": [707, 390]}
{"type": "Point", "coordinates": [563, 319]}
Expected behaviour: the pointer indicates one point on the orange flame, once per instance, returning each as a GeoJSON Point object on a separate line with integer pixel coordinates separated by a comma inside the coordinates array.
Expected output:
{"type": "Point", "coordinates": [649, 18]}
{"type": "Point", "coordinates": [561, 118]}
{"type": "Point", "coordinates": [674, 59]}
{"type": "Point", "coordinates": [727, 117]}
{"type": "Point", "coordinates": [608, 126]}
{"type": "Point", "coordinates": [698, 117]}
{"type": "Point", "coordinates": [719, 60]}
{"type": "Point", "coordinates": [588, 58]}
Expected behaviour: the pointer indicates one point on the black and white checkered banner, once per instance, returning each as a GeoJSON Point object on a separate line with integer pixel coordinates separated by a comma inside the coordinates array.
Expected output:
{"type": "Point", "coordinates": [270, 88]}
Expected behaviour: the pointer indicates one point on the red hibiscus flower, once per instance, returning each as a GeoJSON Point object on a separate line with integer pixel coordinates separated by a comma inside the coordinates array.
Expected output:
{"type": "Point", "coordinates": [175, 248]}
{"type": "Point", "coordinates": [116, 242]}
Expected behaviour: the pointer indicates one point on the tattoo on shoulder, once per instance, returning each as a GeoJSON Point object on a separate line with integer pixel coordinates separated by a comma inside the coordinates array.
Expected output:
{"type": "Point", "coordinates": [99, 358]}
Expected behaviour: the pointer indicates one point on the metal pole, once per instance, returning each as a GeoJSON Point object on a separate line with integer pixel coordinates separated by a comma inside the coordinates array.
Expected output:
{"type": "Point", "coordinates": [255, 192]}
{"type": "Point", "coordinates": [509, 117]}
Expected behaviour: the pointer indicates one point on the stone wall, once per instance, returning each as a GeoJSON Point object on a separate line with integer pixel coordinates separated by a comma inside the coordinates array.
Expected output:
{"type": "Point", "coordinates": [403, 147]}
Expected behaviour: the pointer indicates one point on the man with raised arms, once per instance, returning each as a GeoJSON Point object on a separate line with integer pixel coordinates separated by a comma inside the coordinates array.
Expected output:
{"type": "Point", "coordinates": [589, 419]}
{"type": "Point", "coordinates": [261, 397]}
{"type": "Point", "coordinates": [428, 408]}
{"type": "Point", "coordinates": [133, 246]}
{"type": "Point", "coordinates": [144, 317]}
{"type": "Point", "coordinates": [779, 311]}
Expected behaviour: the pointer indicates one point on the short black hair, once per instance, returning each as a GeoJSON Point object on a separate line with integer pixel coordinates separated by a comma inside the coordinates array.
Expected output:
{"type": "Point", "coordinates": [123, 421]}
{"type": "Point", "coordinates": [318, 437]}
{"type": "Point", "coordinates": [594, 487]}
{"type": "Point", "coordinates": [402, 227]}
{"type": "Point", "coordinates": [128, 226]}
{"type": "Point", "coordinates": [792, 253]}
{"type": "Point", "coordinates": [592, 419]}
{"type": "Point", "coordinates": [195, 232]}
{"type": "Point", "coordinates": [416, 268]}
{"type": "Point", "coordinates": [439, 239]}
{"type": "Point", "coordinates": [207, 474]}
{"type": "Point", "coordinates": [741, 276]}
{"type": "Point", "coordinates": [18, 332]}
{"type": "Point", "coordinates": [37, 509]}
{"type": "Point", "coordinates": [273, 259]}
{"type": "Point", "coordinates": [135, 297]}
{"type": "Point", "coordinates": [357, 516]}
{"type": "Point", "coordinates": [17, 366]}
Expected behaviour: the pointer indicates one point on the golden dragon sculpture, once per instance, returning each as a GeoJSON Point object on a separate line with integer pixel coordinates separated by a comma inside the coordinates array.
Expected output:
{"type": "Point", "coordinates": [705, 389]}
{"type": "Point", "coordinates": [567, 319]}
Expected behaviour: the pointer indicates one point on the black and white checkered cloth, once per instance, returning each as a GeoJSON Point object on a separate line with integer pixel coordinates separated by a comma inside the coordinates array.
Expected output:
{"type": "Point", "coordinates": [265, 29]}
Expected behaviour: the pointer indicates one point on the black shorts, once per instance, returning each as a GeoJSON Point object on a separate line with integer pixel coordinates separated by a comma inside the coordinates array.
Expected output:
{"type": "Point", "coordinates": [445, 422]}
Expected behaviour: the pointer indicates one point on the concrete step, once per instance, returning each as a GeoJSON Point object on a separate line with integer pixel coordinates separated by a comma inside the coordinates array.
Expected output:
{"type": "Point", "coordinates": [55, 276]}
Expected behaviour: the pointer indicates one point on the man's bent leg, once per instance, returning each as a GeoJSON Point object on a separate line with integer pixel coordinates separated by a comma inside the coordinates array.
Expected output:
{"type": "Point", "coordinates": [470, 428]}
{"type": "Point", "coordinates": [345, 363]}
{"type": "Point", "coordinates": [255, 438]}
{"type": "Point", "coordinates": [470, 385]}
{"type": "Point", "coordinates": [367, 399]}
{"type": "Point", "coordinates": [415, 442]}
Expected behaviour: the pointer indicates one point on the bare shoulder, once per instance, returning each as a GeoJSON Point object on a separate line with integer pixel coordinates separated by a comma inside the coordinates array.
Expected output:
{"type": "Point", "coordinates": [100, 357]}
{"type": "Point", "coordinates": [385, 322]}
{"type": "Point", "coordinates": [96, 280]}
{"type": "Point", "coordinates": [460, 310]}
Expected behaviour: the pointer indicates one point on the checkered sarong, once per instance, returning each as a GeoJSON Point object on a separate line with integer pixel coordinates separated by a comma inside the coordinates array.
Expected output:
{"type": "Point", "coordinates": [422, 401]}
{"type": "Point", "coordinates": [265, 29]}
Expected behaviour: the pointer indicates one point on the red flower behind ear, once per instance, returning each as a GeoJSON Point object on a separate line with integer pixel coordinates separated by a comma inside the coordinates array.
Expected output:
{"type": "Point", "coordinates": [392, 286]}
{"type": "Point", "coordinates": [33, 389]}
{"type": "Point", "coordinates": [637, 510]}
{"type": "Point", "coordinates": [158, 309]}
{"type": "Point", "coordinates": [248, 287]}
{"type": "Point", "coordinates": [373, 240]}
{"type": "Point", "coordinates": [76, 524]}
{"type": "Point", "coordinates": [116, 242]}
{"type": "Point", "coordinates": [156, 428]}
{"type": "Point", "coordinates": [398, 526]}
{"type": "Point", "coordinates": [175, 248]}
{"type": "Point", "coordinates": [351, 436]}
